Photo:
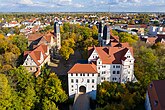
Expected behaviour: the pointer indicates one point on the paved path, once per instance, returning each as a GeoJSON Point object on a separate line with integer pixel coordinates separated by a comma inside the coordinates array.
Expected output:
{"type": "Point", "coordinates": [82, 102]}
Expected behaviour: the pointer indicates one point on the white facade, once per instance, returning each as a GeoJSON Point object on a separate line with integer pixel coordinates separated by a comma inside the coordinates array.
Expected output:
{"type": "Point", "coordinates": [114, 72]}
{"type": "Point", "coordinates": [58, 40]}
{"type": "Point", "coordinates": [86, 80]}
{"type": "Point", "coordinates": [105, 42]}
{"type": "Point", "coordinates": [147, 102]}
{"type": "Point", "coordinates": [154, 30]}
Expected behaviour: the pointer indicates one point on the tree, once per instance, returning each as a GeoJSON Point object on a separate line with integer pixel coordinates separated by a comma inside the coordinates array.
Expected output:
{"type": "Point", "coordinates": [49, 91]}
{"type": "Point", "coordinates": [126, 37]}
{"type": "Point", "coordinates": [66, 51]}
{"type": "Point", "coordinates": [21, 42]}
{"type": "Point", "coordinates": [22, 82]}
{"type": "Point", "coordinates": [5, 93]}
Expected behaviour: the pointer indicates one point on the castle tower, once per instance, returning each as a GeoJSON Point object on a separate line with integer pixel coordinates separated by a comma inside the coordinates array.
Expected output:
{"type": "Point", "coordinates": [106, 36]}
{"type": "Point", "coordinates": [100, 33]}
{"type": "Point", "coordinates": [57, 34]}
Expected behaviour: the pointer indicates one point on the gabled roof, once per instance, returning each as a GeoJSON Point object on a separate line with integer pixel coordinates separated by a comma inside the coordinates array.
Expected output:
{"type": "Point", "coordinates": [83, 68]}
{"type": "Point", "coordinates": [156, 92]}
{"type": "Point", "coordinates": [40, 37]}
{"type": "Point", "coordinates": [111, 55]}
{"type": "Point", "coordinates": [36, 53]}
{"type": "Point", "coordinates": [118, 44]}
{"type": "Point", "coordinates": [151, 40]}
{"type": "Point", "coordinates": [33, 37]}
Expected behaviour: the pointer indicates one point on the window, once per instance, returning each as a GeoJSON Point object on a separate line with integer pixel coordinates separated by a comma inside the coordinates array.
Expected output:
{"type": "Point", "coordinates": [114, 79]}
{"type": "Point", "coordinates": [98, 74]}
{"type": "Point", "coordinates": [83, 74]}
{"type": "Point", "coordinates": [103, 72]}
{"type": "Point", "coordinates": [92, 86]}
{"type": "Point", "coordinates": [118, 72]}
{"type": "Point", "coordinates": [128, 72]}
{"type": "Point", "coordinates": [30, 68]}
{"type": "Point", "coordinates": [102, 78]}
{"type": "Point", "coordinates": [117, 66]}
{"type": "Point", "coordinates": [92, 74]}
{"type": "Point", "coordinates": [128, 79]}
{"type": "Point", "coordinates": [155, 103]}
{"type": "Point", "coordinates": [103, 66]}
{"type": "Point", "coordinates": [72, 81]}
{"type": "Point", "coordinates": [72, 86]}
{"type": "Point", "coordinates": [128, 56]}
{"type": "Point", "coordinates": [98, 67]}
{"type": "Point", "coordinates": [93, 56]}
{"type": "Point", "coordinates": [26, 64]}
{"type": "Point", "coordinates": [72, 89]}
{"type": "Point", "coordinates": [76, 80]}
{"type": "Point", "coordinates": [71, 74]}
{"type": "Point", "coordinates": [88, 74]}
{"type": "Point", "coordinates": [93, 81]}
{"type": "Point", "coordinates": [99, 62]}
{"type": "Point", "coordinates": [113, 66]}
{"type": "Point", "coordinates": [88, 81]}
{"type": "Point", "coordinates": [76, 74]}
{"type": "Point", "coordinates": [114, 72]}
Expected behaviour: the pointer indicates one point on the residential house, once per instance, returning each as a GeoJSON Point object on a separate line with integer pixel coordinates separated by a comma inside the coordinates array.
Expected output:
{"type": "Point", "coordinates": [140, 29]}
{"type": "Point", "coordinates": [35, 59]}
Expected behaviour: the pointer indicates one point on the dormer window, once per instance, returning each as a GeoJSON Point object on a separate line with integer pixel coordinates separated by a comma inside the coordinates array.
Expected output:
{"type": "Point", "coordinates": [155, 103]}
{"type": "Point", "coordinates": [151, 86]}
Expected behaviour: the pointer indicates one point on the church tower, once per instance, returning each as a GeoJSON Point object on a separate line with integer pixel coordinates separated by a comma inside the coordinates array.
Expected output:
{"type": "Point", "coordinates": [100, 33]}
{"type": "Point", "coordinates": [57, 34]}
{"type": "Point", "coordinates": [106, 36]}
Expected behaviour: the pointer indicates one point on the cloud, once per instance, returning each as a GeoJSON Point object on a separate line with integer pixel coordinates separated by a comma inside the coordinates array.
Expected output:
{"type": "Point", "coordinates": [26, 2]}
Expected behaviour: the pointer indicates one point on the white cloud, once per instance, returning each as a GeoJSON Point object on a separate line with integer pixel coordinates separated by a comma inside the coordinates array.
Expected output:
{"type": "Point", "coordinates": [78, 5]}
{"type": "Point", "coordinates": [26, 2]}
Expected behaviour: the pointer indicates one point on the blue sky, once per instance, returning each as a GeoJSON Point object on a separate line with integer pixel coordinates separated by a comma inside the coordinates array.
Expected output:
{"type": "Point", "coordinates": [82, 5]}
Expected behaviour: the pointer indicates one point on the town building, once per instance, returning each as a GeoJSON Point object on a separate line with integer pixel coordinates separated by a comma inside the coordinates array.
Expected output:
{"type": "Point", "coordinates": [35, 59]}
{"type": "Point", "coordinates": [155, 96]}
{"type": "Point", "coordinates": [113, 63]}
{"type": "Point", "coordinates": [82, 78]}
{"type": "Point", "coordinates": [42, 48]}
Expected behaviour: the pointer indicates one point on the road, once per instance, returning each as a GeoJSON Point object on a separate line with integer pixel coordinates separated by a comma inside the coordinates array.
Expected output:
{"type": "Point", "coordinates": [82, 103]}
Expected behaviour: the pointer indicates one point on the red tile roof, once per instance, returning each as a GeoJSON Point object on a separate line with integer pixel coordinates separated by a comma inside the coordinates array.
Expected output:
{"type": "Point", "coordinates": [33, 37]}
{"type": "Point", "coordinates": [36, 53]}
{"type": "Point", "coordinates": [111, 55]}
{"type": "Point", "coordinates": [115, 44]}
{"type": "Point", "coordinates": [151, 40]}
{"type": "Point", "coordinates": [83, 68]}
{"type": "Point", "coordinates": [156, 92]}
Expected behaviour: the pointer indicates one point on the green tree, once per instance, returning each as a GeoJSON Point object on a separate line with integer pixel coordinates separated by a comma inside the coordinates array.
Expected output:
{"type": "Point", "coordinates": [126, 37]}
{"type": "Point", "coordinates": [21, 42]}
{"type": "Point", "coordinates": [23, 83]}
{"type": "Point", "coordinates": [5, 93]}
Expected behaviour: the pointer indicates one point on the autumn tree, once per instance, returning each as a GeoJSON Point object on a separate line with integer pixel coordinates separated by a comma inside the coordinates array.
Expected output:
{"type": "Point", "coordinates": [126, 37]}
{"type": "Point", "coordinates": [5, 93]}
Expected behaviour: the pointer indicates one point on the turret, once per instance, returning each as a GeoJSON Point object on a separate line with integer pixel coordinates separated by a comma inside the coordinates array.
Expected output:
{"type": "Point", "coordinates": [100, 33]}
{"type": "Point", "coordinates": [57, 34]}
{"type": "Point", "coordinates": [106, 35]}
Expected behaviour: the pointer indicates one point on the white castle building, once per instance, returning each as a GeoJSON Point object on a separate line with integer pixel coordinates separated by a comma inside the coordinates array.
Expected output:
{"type": "Point", "coordinates": [113, 63]}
